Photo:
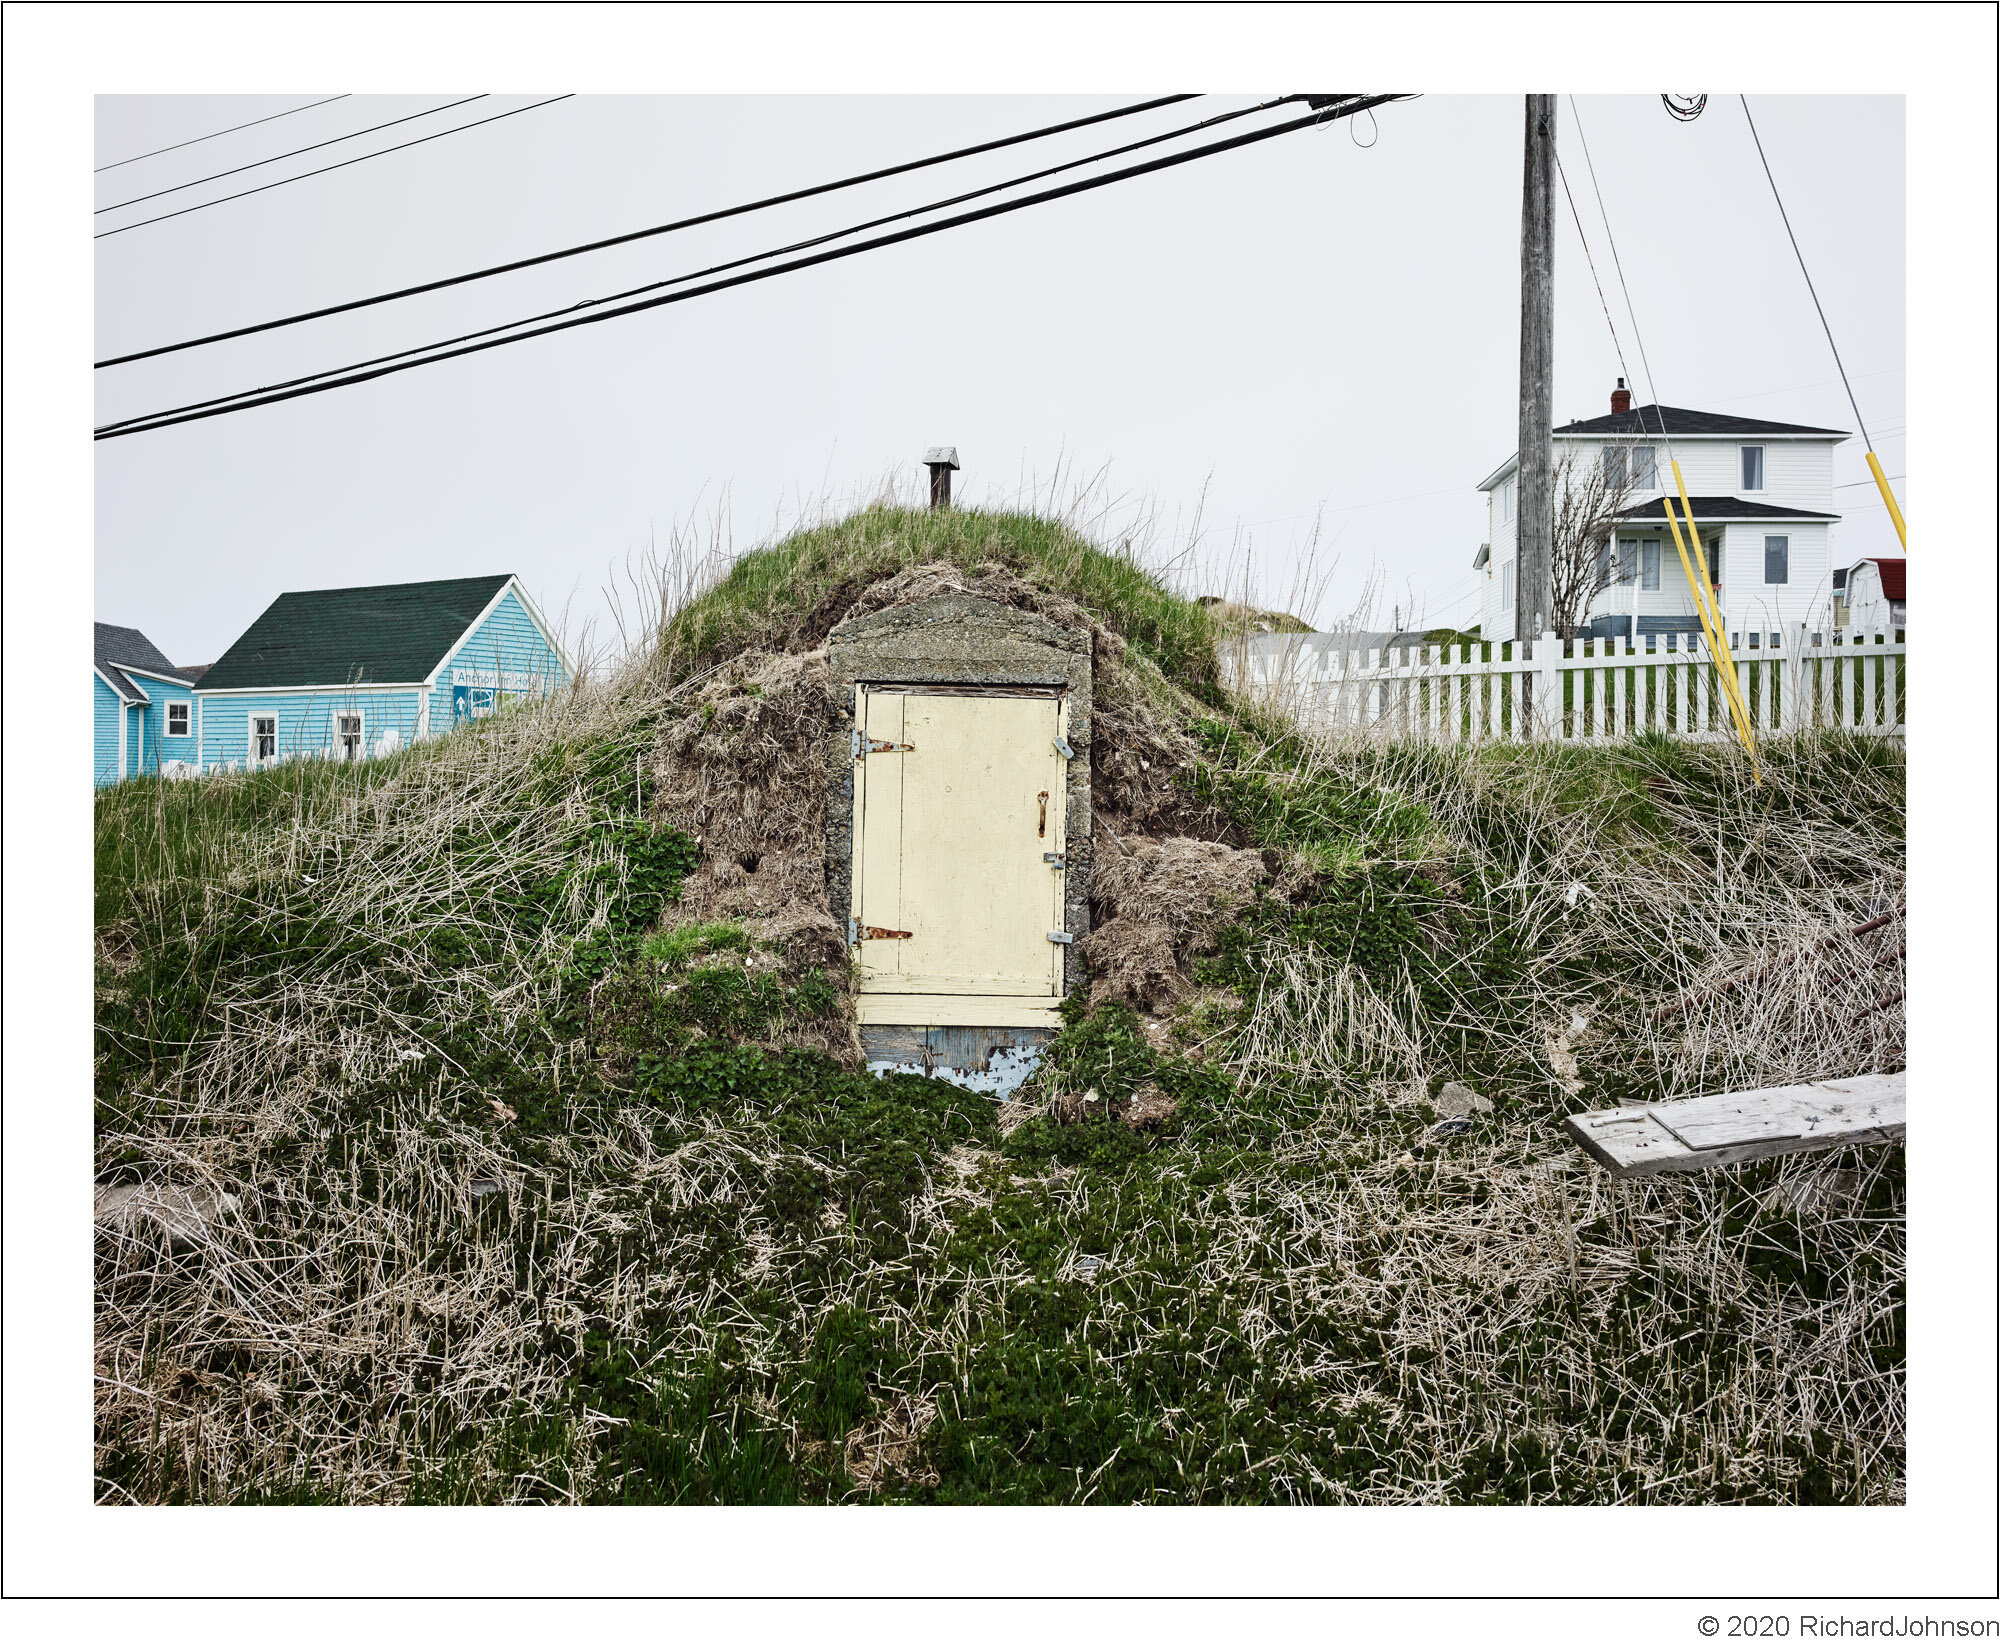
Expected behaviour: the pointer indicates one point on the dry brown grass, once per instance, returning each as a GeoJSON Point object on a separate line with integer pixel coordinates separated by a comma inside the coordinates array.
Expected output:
{"type": "Point", "coordinates": [356, 1300]}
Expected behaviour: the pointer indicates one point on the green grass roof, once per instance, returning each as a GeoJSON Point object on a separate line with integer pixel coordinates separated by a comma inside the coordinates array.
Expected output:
{"type": "Point", "coordinates": [390, 632]}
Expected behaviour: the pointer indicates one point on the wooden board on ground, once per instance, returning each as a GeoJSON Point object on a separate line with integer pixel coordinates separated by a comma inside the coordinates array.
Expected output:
{"type": "Point", "coordinates": [1725, 1128]}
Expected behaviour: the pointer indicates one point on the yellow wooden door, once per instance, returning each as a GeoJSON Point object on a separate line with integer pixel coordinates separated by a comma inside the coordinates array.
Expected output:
{"type": "Point", "coordinates": [958, 846]}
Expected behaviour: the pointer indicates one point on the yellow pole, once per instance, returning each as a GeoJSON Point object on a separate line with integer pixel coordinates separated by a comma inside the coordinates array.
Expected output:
{"type": "Point", "coordinates": [1889, 497]}
{"type": "Point", "coordinates": [1710, 619]}
{"type": "Point", "coordinates": [1711, 623]}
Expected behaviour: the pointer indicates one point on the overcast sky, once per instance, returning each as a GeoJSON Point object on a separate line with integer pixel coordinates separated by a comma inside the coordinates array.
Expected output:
{"type": "Point", "coordinates": [1303, 328]}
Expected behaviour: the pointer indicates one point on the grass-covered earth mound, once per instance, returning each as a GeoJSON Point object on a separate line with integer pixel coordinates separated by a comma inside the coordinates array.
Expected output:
{"type": "Point", "coordinates": [484, 1124]}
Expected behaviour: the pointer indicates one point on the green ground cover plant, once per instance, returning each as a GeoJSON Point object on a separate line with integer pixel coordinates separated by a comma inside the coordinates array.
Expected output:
{"type": "Point", "coordinates": [506, 1188]}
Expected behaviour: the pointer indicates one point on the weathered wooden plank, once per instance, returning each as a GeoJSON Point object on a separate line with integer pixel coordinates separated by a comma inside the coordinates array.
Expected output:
{"type": "Point", "coordinates": [1725, 1128]}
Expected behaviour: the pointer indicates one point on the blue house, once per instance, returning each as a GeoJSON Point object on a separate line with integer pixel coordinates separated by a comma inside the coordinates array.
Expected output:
{"type": "Point", "coordinates": [144, 710]}
{"type": "Point", "coordinates": [341, 674]}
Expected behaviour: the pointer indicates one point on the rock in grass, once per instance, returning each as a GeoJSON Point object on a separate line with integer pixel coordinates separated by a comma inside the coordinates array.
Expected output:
{"type": "Point", "coordinates": [1455, 1102]}
{"type": "Point", "coordinates": [182, 1215]}
{"type": "Point", "coordinates": [1149, 1109]}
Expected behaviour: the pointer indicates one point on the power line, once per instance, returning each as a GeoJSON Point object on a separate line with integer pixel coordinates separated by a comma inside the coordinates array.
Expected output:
{"type": "Point", "coordinates": [733, 263]}
{"type": "Point", "coordinates": [176, 415]}
{"type": "Point", "coordinates": [226, 130]}
{"type": "Point", "coordinates": [1618, 264]}
{"type": "Point", "coordinates": [643, 234]}
{"type": "Point", "coordinates": [1801, 256]}
{"type": "Point", "coordinates": [1577, 218]}
{"type": "Point", "coordinates": [214, 177]}
{"type": "Point", "coordinates": [374, 154]}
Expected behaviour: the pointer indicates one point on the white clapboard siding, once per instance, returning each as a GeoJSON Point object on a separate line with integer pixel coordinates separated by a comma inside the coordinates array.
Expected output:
{"type": "Point", "coordinates": [1585, 691]}
{"type": "Point", "coordinates": [1725, 1128]}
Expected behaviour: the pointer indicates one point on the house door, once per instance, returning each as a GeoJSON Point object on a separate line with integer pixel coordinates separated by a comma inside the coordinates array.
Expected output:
{"type": "Point", "coordinates": [958, 877]}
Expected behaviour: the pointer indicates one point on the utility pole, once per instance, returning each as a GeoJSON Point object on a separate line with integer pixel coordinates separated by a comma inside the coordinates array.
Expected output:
{"type": "Point", "coordinates": [1534, 604]}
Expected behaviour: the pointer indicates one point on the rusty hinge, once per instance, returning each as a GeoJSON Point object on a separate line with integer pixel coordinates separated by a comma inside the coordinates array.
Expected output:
{"type": "Point", "coordinates": [1042, 828]}
{"type": "Point", "coordinates": [864, 746]}
{"type": "Point", "coordinates": [875, 934]}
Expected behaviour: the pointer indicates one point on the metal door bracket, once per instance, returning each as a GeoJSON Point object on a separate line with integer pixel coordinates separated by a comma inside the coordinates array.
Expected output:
{"type": "Point", "coordinates": [862, 747]}
{"type": "Point", "coordinates": [1065, 750]}
{"type": "Point", "coordinates": [876, 934]}
{"type": "Point", "coordinates": [1062, 937]}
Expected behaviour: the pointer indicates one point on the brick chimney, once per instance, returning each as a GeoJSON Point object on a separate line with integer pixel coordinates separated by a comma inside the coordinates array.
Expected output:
{"type": "Point", "coordinates": [1621, 398]}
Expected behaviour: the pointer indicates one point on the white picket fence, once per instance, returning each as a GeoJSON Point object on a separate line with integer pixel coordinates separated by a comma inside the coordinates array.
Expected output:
{"type": "Point", "coordinates": [1581, 691]}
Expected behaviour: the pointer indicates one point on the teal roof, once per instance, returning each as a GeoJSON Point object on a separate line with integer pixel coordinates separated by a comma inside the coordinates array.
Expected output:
{"type": "Point", "coordinates": [393, 633]}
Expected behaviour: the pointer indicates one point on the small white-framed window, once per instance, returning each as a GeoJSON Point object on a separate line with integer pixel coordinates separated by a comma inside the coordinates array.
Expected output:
{"type": "Point", "coordinates": [1507, 503]}
{"type": "Point", "coordinates": [178, 722]}
{"type": "Point", "coordinates": [1645, 471]}
{"type": "Point", "coordinates": [1753, 468]}
{"type": "Point", "coordinates": [1777, 560]}
{"type": "Point", "coordinates": [1616, 466]}
{"type": "Point", "coordinates": [1507, 586]}
{"type": "Point", "coordinates": [263, 737]}
{"type": "Point", "coordinates": [347, 741]}
{"type": "Point", "coordinates": [1649, 563]}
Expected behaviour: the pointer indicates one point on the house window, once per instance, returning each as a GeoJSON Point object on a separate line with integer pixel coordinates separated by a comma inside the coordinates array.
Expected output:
{"type": "Point", "coordinates": [1507, 503]}
{"type": "Point", "coordinates": [177, 719]}
{"type": "Point", "coordinates": [1645, 475]}
{"type": "Point", "coordinates": [263, 737]}
{"type": "Point", "coordinates": [1649, 563]}
{"type": "Point", "coordinates": [1507, 586]}
{"type": "Point", "coordinates": [1753, 468]}
{"type": "Point", "coordinates": [1614, 469]}
{"type": "Point", "coordinates": [1777, 560]}
{"type": "Point", "coordinates": [347, 736]}
{"type": "Point", "coordinates": [1840, 581]}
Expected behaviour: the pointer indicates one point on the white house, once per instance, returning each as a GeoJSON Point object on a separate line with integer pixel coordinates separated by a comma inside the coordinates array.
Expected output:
{"type": "Point", "coordinates": [1762, 495]}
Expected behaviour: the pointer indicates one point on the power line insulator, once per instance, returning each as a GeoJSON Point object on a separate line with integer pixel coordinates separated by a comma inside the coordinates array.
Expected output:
{"type": "Point", "coordinates": [1685, 105]}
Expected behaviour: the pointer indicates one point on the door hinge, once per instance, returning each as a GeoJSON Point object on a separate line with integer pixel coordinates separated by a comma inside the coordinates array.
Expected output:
{"type": "Point", "coordinates": [1065, 750]}
{"type": "Point", "coordinates": [853, 931]}
{"type": "Point", "coordinates": [865, 746]}
{"type": "Point", "coordinates": [877, 934]}
{"type": "Point", "coordinates": [1062, 937]}
{"type": "Point", "coordinates": [1056, 858]}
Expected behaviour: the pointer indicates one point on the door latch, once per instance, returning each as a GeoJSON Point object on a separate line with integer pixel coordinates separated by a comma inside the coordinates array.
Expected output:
{"type": "Point", "coordinates": [1056, 858]}
{"type": "Point", "coordinates": [1042, 828]}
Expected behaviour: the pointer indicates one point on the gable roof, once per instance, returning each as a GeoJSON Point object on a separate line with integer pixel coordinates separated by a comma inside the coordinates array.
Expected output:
{"type": "Point", "coordinates": [1721, 508]}
{"type": "Point", "coordinates": [387, 633]}
{"type": "Point", "coordinates": [113, 645]}
{"type": "Point", "coordinates": [1679, 420]}
{"type": "Point", "coordinates": [1890, 573]}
